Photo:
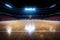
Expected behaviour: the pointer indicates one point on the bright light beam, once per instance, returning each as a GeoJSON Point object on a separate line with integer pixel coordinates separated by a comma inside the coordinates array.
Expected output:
{"type": "Point", "coordinates": [7, 5]}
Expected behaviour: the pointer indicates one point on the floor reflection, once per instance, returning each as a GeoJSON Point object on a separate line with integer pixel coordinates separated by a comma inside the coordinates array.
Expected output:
{"type": "Point", "coordinates": [44, 30]}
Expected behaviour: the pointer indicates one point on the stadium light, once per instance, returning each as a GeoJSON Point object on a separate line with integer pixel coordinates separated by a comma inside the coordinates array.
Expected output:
{"type": "Point", "coordinates": [52, 5]}
{"type": "Point", "coordinates": [29, 10]}
{"type": "Point", "coordinates": [8, 5]}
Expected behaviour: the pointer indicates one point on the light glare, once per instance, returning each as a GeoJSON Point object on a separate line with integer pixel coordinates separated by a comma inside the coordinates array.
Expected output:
{"type": "Point", "coordinates": [8, 5]}
{"type": "Point", "coordinates": [30, 9]}
{"type": "Point", "coordinates": [30, 28]}
{"type": "Point", "coordinates": [9, 29]}
{"type": "Point", "coordinates": [52, 5]}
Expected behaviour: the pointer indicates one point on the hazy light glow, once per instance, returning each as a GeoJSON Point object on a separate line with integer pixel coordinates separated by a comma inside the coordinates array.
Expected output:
{"type": "Point", "coordinates": [9, 30]}
{"type": "Point", "coordinates": [30, 28]}
{"type": "Point", "coordinates": [9, 6]}
{"type": "Point", "coordinates": [52, 5]}
{"type": "Point", "coordinates": [29, 10]}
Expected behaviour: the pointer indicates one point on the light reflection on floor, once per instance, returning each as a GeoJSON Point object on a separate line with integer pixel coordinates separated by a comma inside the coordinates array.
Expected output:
{"type": "Point", "coordinates": [15, 30]}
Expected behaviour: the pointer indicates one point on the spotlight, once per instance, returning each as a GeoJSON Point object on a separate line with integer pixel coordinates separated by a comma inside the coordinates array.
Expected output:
{"type": "Point", "coordinates": [29, 10]}
{"type": "Point", "coordinates": [30, 28]}
{"type": "Point", "coordinates": [8, 5]}
{"type": "Point", "coordinates": [52, 5]}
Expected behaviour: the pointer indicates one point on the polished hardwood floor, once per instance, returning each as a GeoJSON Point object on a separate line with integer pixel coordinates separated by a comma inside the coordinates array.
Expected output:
{"type": "Point", "coordinates": [44, 30]}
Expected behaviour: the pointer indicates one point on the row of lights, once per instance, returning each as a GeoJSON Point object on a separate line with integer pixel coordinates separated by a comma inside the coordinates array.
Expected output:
{"type": "Point", "coordinates": [9, 6]}
{"type": "Point", "coordinates": [29, 10]}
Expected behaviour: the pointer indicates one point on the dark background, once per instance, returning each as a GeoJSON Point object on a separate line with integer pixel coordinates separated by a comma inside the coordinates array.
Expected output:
{"type": "Point", "coordinates": [43, 6]}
